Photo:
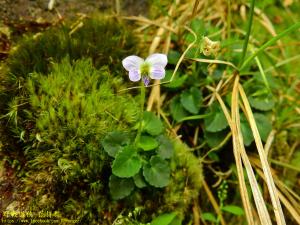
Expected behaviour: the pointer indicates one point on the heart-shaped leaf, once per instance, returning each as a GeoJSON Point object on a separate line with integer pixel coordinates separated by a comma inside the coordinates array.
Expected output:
{"type": "Point", "coordinates": [147, 143]}
{"type": "Point", "coordinates": [120, 187]}
{"type": "Point", "coordinates": [114, 142]}
{"type": "Point", "coordinates": [216, 120]}
{"type": "Point", "coordinates": [165, 149]}
{"type": "Point", "coordinates": [157, 172]}
{"type": "Point", "coordinates": [127, 162]}
{"type": "Point", "coordinates": [191, 100]}
{"type": "Point", "coordinates": [151, 124]}
{"type": "Point", "coordinates": [264, 125]}
{"type": "Point", "coordinates": [177, 110]}
{"type": "Point", "coordinates": [262, 102]}
{"type": "Point", "coordinates": [139, 180]}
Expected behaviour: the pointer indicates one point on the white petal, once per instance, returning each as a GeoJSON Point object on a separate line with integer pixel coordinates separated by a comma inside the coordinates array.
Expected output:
{"type": "Point", "coordinates": [157, 73]}
{"type": "Point", "coordinates": [132, 62]}
{"type": "Point", "coordinates": [134, 75]}
{"type": "Point", "coordinates": [157, 60]}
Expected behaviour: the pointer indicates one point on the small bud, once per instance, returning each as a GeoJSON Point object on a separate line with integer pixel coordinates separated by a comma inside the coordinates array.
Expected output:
{"type": "Point", "coordinates": [209, 47]}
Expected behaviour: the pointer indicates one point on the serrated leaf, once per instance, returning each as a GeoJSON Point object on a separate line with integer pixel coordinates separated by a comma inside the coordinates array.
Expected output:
{"type": "Point", "coordinates": [164, 219]}
{"type": "Point", "coordinates": [147, 143]}
{"type": "Point", "coordinates": [120, 187]}
{"type": "Point", "coordinates": [139, 180]}
{"type": "Point", "coordinates": [216, 120]}
{"type": "Point", "coordinates": [233, 209]}
{"type": "Point", "coordinates": [157, 172]}
{"type": "Point", "coordinates": [166, 148]}
{"type": "Point", "coordinates": [114, 142]}
{"type": "Point", "coordinates": [191, 100]}
{"type": "Point", "coordinates": [177, 110]}
{"type": "Point", "coordinates": [127, 162]}
{"type": "Point", "coordinates": [152, 124]}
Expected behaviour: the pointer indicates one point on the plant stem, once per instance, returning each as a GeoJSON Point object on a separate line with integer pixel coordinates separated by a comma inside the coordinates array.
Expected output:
{"type": "Point", "coordinates": [141, 113]}
{"type": "Point", "coordinates": [248, 32]}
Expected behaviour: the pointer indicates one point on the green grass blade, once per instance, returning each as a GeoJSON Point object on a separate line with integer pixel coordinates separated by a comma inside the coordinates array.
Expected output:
{"type": "Point", "coordinates": [269, 43]}
{"type": "Point", "coordinates": [248, 32]}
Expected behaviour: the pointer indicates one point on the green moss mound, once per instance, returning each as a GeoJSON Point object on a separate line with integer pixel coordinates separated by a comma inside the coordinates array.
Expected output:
{"type": "Point", "coordinates": [72, 108]}
{"type": "Point", "coordinates": [105, 41]}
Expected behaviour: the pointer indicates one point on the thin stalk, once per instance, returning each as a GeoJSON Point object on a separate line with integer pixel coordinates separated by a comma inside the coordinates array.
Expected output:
{"type": "Point", "coordinates": [269, 43]}
{"type": "Point", "coordinates": [141, 112]}
{"type": "Point", "coordinates": [248, 32]}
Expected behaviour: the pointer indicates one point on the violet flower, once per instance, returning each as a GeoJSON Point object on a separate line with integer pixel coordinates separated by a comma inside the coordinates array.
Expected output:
{"type": "Point", "coordinates": [153, 67]}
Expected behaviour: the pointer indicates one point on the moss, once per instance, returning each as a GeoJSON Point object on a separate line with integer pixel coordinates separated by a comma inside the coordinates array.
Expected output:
{"type": "Point", "coordinates": [72, 109]}
{"type": "Point", "coordinates": [104, 40]}
{"type": "Point", "coordinates": [187, 178]}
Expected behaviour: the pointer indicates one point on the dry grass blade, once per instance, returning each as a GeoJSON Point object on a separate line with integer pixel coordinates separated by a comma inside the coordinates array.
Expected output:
{"type": "Point", "coordinates": [266, 168]}
{"type": "Point", "coordinates": [292, 197]}
{"type": "Point", "coordinates": [239, 145]}
{"type": "Point", "coordinates": [214, 61]}
{"type": "Point", "coordinates": [285, 201]}
{"type": "Point", "coordinates": [237, 156]}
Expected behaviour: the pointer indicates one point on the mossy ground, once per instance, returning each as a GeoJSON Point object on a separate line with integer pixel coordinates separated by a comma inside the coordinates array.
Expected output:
{"type": "Point", "coordinates": [60, 98]}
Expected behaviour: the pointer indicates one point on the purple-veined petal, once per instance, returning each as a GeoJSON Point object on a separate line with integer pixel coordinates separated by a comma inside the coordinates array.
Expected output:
{"type": "Point", "coordinates": [132, 62]}
{"type": "Point", "coordinates": [134, 75]}
{"type": "Point", "coordinates": [157, 73]}
{"type": "Point", "coordinates": [157, 60]}
{"type": "Point", "coordinates": [146, 81]}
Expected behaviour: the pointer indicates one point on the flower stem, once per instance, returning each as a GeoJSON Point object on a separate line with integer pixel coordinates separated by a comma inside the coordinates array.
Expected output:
{"type": "Point", "coordinates": [141, 113]}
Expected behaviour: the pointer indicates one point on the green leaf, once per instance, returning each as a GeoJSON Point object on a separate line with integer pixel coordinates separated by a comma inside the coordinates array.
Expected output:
{"type": "Point", "coordinates": [177, 110]}
{"type": "Point", "coordinates": [216, 120]}
{"type": "Point", "coordinates": [165, 219]}
{"type": "Point", "coordinates": [147, 143]}
{"type": "Point", "coordinates": [151, 124]}
{"type": "Point", "coordinates": [173, 57]}
{"type": "Point", "coordinates": [233, 209]}
{"type": "Point", "coordinates": [166, 148]}
{"type": "Point", "coordinates": [215, 138]}
{"type": "Point", "coordinates": [157, 172]}
{"type": "Point", "coordinates": [191, 100]}
{"type": "Point", "coordinates": [120, 187]}
{"type": "Point", "coordinates": [114, 142]}
{"type": "Point", "coordinates": [262, 102]}
{"type": "Point", "coordinates": [127, 162]}
{"type": "Point", "coordinates": [178, 79]}
{"type": "Point", "coordinates": [209, 217]}
{"type": "Point", "coordinates": [264, 125]}
{"type": "Point", "coordinates": [246, 131]}
{"type": "Point", "coordinates": [139, 180]}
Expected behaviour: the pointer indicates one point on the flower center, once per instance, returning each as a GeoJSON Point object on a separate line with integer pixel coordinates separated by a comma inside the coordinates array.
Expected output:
{"type": "Point", "coordinates": [145, 69]}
